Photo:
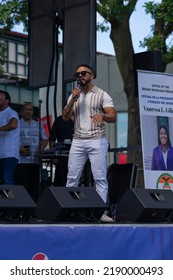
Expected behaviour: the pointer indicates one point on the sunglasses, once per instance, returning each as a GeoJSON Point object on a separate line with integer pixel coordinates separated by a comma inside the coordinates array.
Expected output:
{"type": "Point", "coordinates": [82, 73]}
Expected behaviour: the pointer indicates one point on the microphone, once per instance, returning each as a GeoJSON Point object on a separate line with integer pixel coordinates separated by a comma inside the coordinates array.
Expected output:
{"type": "Point", "coordinates": [76, 98]}
{"type": "Point", "coordinates": [79, 86]}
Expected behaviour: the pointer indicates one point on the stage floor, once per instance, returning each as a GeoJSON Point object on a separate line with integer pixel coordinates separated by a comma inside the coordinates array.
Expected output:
{"type": "Point", "coordinates": [86, 241]}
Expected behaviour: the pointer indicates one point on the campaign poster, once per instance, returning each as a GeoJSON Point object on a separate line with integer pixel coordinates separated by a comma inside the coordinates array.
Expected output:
{"type": "Point", "coordinates": [155, 92]}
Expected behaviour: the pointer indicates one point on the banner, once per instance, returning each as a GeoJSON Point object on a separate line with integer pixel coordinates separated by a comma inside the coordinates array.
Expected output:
{"type": "Point", "coordinates": [85, 242]}
{"type": "Point", "coordinates": [156, 117]}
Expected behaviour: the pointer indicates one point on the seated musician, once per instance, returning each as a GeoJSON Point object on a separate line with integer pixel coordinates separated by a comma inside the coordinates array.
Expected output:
{"type": "Point", "coordinates": [60, 132]}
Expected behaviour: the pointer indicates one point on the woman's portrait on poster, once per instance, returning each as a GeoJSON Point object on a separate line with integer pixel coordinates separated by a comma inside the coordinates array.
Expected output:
{"type": "Point", "coordinates": [162, 158]}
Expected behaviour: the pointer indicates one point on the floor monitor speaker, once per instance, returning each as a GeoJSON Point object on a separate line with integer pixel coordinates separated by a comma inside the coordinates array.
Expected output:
{"type": "Point", "coordinates": [146, 206]}
{"type": "Point", "coordinates": [70, 204]}
{"type": "Point", "coordinates": [121, 177]}
{"type": "Point", "coordinates": [15, 203]}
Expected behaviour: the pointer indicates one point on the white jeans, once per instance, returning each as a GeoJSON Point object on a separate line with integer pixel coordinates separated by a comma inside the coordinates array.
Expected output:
{"type": "Point", "coordinates": [96, 151]}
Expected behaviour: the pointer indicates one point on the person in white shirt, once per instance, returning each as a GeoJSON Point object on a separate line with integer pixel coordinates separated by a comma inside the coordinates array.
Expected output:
{"type": "Point", "coordinates": [9, 139]}
{"type": "Point", "coordinates": [90, 107]}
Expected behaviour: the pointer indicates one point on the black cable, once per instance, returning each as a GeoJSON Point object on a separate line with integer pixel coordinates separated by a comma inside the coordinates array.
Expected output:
{"type": "Point", "coordinates": [50, 75]}
{"type": "Point", "coordinates": [56, 69]}
{"type": "Point", "coordinates": [39, 150]}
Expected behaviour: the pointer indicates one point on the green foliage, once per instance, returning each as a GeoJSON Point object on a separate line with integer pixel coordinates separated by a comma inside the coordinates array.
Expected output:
{"type": "Point", "coordinates": [168, 57]}
{"type": "Point", "coordinates": [162, 29]}
{"type": "Point", "coordinates": [151, 8]}
{"type": "Point", "coordinates": [114, 11]}
{"type": "Point", "coordinates": [163, 10]}
{"type": "Point", "coordinates": [3, 56]}
{"type": "Point", "coordinates": [13, 12]}
{"type": "Point", "coordinates": [154, 43]}
{"type": "Point", "coordinates": [102, 26]}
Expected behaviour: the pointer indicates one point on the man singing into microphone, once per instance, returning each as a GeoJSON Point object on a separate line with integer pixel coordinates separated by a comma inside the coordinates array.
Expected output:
{"type": "Point", "coordinates": [90, 107]}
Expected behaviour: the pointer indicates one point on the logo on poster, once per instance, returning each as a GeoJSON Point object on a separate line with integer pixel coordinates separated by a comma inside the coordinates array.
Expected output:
{"type": "Point", "coordinates": [165, 181]}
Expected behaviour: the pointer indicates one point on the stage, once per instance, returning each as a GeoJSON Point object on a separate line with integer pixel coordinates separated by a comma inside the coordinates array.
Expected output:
{"type": "Point", "coordinates": [86, 241]}
{"type": "Point", "coordinates": [144, 230]}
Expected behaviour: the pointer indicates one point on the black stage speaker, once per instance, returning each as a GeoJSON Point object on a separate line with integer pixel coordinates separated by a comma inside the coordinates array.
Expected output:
{"type": "Point", "coordinates": [149, 61]}
{"type": "Point", "coordinates": [146, 206]}
{"type": "Point", "coordinates": [43, 17]}
{"type": "Point", "coordinates": [79, 36]}
{"type": "Point", "coordinates": [121, 177]}
{"type": "Point", "coordinates": [15, 203]}
{"type": "Point", "coordinates": [70, 204]}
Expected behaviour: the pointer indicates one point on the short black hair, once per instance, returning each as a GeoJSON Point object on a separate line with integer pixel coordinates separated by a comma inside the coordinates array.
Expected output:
{"type": "Point", "coordinates": [88, 66]}
{"type": "Point", "coordinates": [7, 95]}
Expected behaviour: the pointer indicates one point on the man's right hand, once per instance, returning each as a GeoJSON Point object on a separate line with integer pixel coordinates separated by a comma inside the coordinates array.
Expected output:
{"type": "Point", "coordinates": [76, 93]}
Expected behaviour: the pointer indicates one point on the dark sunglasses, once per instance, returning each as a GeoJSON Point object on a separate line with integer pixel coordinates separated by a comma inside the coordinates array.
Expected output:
{"type": "Point", "coordinates": [83, 73]}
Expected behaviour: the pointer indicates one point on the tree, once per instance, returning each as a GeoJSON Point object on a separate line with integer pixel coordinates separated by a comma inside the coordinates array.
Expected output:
{"type": "Point", "coordinates": [3, 56]}
{"type": "Point", "coordinates": [117, 13]}
{"type": "Point", "coordinates": [162, 15]}
{"type": "Point", "coordinates": [13, 12]}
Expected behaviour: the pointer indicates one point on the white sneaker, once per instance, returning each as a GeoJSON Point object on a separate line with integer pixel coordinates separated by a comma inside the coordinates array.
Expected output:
{"type": "Point", "coordinates": [105, 218]}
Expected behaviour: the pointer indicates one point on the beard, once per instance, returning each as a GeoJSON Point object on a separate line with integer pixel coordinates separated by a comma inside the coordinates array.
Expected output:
{"type": "Point", "coordinates": [84, 82]}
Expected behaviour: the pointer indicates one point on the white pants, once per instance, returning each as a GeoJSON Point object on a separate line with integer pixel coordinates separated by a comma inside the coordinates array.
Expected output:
{"type": "Point", "coordinates": [96, 151]}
